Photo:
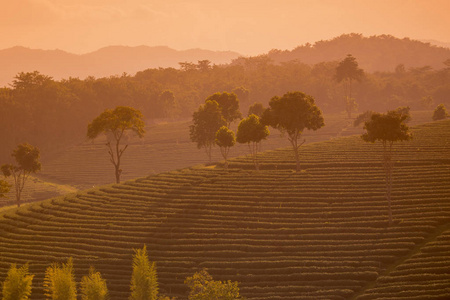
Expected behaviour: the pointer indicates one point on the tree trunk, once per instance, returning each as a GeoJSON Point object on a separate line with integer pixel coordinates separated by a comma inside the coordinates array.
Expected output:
{"type": "Point", "coordinates": [388, 168]}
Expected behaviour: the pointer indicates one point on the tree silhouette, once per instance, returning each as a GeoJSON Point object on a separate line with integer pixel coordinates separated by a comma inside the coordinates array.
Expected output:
{"type": "Point", "coordinates": [225, 139]}
{"type": "Point", "coordinates": [251, 131]}
{"type": "Point", "coordinates": [206, 121]}
{"type": "Point", "coordinates": [114, 124]}
{"type": "Point", "coordinates": [348, 71]}
{"type": "Point", "coordinates": [28, 161]}
{"type": "Point", "coordinates": [292, 113]}
{"type": "Point", "coordinates": [387, 128]}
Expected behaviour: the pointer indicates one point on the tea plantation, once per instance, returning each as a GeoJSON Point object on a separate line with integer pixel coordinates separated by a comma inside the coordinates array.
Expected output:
{"type": "Point", "coordinates": [321, 233]}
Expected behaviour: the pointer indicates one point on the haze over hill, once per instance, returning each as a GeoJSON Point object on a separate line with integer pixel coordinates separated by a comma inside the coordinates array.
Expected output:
{"type": "Point", "coordinates": [375, 53]}
{"type": "Point", "coordinates": [112, 60]}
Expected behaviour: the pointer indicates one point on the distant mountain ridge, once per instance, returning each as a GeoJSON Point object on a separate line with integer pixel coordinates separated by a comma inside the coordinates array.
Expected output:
{"type": "Point", "coordinates": [111, 60]}
{"type": "Point", "coordinates": [374, 53]}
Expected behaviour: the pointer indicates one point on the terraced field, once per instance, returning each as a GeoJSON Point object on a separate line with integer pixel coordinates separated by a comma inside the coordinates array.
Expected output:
{"type": "Point", "coordinates": [167, 147]}
{"type": "Point", "coordinates": [321, 233]}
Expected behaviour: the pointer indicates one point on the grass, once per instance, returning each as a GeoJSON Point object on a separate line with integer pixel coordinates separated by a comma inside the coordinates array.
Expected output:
{"type": "Point", "coordinates": [317, 234]}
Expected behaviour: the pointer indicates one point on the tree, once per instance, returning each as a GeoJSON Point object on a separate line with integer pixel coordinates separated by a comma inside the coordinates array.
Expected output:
{"type": "Point", "coordinates": [93, 286]}
{"type": "Point", "coordinates": [170, 104]}
{"type": "Point", "coordinates": [206, 121]}
{"type": "Point", "coordinates": [17, 285]}
{"type": "Point", "coordinates": [203, 287]}
{"type": "Point", "coordinates": [114, 124]}
{"type": "Point", "coordinates": [4, 188]}
{"type": "Point", "coordinates": [387, 128]}
{"type": "Point", "coordinates": [440, 113]}
{"type": "Point", "coordinates": [347, 71]}
{"type": "Point", "coordinates": [144, 280]}
{"type": "Point", "coordinates": [291, 114]}
{"type": "Point", "coordinates": [252, 131]}
{"type": "Point", "coordinates": [256, 109]}
{"type": "Point", "coordinates": [225, 139]}
{"type": "Point", "coordinates": [59, 282]}
{"type": "Point", "coordinates": [27, 159]}
{"type": "Point", "coordinates": [229, 105]}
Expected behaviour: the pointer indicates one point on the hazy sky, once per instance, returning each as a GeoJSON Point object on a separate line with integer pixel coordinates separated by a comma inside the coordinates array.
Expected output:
{"type": "Point", "coordinates": [247, 26]}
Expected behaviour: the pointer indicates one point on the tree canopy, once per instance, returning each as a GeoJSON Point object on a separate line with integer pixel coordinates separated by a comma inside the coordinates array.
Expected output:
{"type": "Point", "coordinates": [225, 139]}
{"type": "Point", "coordinates": [229, 105]}
{"type": "Point", "coordinates": [387, 128]}
{"type": "Point", "coordinates": [115, 123]}
{"type": "Point", "coordinates": [293, 113]}
{"type": "Point", "coordinates": [206, 121]}
{"type": "Point", "coordinates": [203, 287]}
{"type": "Point", "coordinates": [27, 158]}
{"type": "Point", "coordinates": [251, 131]}
{"type": "Point", "coordinates": [440, 113]}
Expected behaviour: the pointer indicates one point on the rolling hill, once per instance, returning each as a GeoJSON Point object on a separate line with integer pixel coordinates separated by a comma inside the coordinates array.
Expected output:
{"type": "Point", "coordinates": [321, 233]}
{"type": "Point", "coordinates": [108, 61]}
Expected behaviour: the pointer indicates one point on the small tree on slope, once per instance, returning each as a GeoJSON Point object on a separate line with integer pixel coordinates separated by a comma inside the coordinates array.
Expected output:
{"type": "Point", "coordinates": [225, 139]}
{"type": "Point", "coordinates": [387, 128]}
{"type": "Point", "coordinates": [252, 132]}
{"type": "Point", "coordinates": [206, 121]}
{"type": "Point", "coordinates": [27, 158]}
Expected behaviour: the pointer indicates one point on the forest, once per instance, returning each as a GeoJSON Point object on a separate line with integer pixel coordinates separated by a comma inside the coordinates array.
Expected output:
{"type": "Point", "coordinates": [53, 114]}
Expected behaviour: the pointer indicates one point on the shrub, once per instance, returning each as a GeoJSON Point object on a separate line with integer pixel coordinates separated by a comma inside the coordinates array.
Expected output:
{"type": "Point", "coordinates": [17, 284]}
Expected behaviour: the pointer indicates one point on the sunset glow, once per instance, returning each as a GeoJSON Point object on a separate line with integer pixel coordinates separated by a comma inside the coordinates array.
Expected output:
{"type": "Point", "coordinates": [248, 27]}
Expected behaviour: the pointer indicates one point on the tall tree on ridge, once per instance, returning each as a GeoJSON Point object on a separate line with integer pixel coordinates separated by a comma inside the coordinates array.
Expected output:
{"type": "Point", "coordinates": [347, 71]}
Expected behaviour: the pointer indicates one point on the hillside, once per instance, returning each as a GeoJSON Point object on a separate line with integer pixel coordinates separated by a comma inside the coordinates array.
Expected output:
{"type": "Point", "coordinates": [167, 147]}
{"type": "Point", "coordinates": [374, 53]}
{"type": "Point", "coordinates": [317, 234]}
{"type": "Point", "coordinates": [108, 61]}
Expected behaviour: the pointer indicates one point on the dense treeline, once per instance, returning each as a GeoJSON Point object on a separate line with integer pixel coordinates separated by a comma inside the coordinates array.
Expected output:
{"type": "Point", "coordinates": [51, 114]}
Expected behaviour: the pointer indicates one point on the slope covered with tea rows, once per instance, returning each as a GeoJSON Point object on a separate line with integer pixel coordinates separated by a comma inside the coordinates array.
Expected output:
{"type": "Point", "coordinates": [321, 233]}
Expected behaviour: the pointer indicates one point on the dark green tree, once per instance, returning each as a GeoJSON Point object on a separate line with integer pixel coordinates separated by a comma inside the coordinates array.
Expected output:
{"type": "Point", "coordinates": [387, 128]}
{"type": "Point", "coordinates": [440, 113]}
{"type": "Point", "coordinates": [115, 124]}
{"type": "Point", "coordinates": [27, 158]}
{"type": "Point", "coordinates": [229, 105]}
{"type": "Point", "coordinates": [225, 139]}
{"type": "Point", "coordinates": [292, 114]}
{"type": "Point", "coordinates": [251, 131]}
{"type": "Point", "coordinates": [203, 287]}
{"type": "Point", "coordinates": [206, 121]}
{"type": "Point", "coordinates": [144, 280]}
{"type": "Point", "coordinates": [17, 285]}
{"type": "Point", "coordinates": [348, 71]}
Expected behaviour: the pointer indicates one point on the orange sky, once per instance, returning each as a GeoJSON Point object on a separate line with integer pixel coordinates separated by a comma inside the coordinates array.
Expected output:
{"type": "Point", "coordinates": [247, 26]}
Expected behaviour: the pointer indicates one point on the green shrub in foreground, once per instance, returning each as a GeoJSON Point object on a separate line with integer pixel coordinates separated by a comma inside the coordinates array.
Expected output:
{"type": "Point", "coordinates": [93, 286]}
{"type": "Point", "coordinates": [17, 284]}
{"type": "Point", "coordinates": [59, 282]}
